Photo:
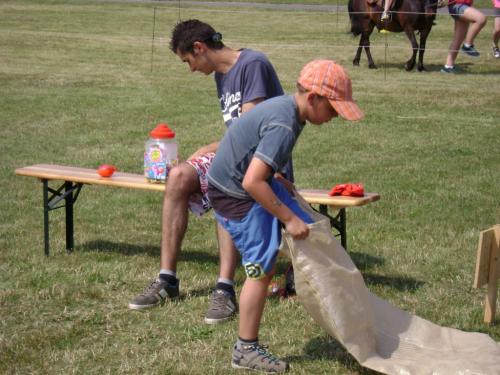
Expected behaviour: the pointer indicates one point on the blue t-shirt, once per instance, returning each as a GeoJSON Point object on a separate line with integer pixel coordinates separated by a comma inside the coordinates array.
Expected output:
{"type": "Point", "coordinates": [251, 77]}
{"type": "Point", "coordinates": [268, 132]}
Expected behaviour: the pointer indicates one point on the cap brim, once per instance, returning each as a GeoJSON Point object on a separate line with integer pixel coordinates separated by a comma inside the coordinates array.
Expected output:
{"type": "Point", "coordinates": [348, 110]}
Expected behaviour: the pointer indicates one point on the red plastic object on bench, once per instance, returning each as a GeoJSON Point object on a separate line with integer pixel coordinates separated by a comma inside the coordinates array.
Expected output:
{"type": "Point", "coordinates": [352, 190]}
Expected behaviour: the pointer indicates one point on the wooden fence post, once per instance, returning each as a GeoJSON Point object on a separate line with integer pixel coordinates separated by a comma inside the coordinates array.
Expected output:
{"type": "Point", "coordinates": [488, 269]}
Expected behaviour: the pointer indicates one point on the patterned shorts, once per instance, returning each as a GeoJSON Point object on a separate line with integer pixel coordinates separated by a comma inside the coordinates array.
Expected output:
{"type": "Point", "coordinates": [198, 202]}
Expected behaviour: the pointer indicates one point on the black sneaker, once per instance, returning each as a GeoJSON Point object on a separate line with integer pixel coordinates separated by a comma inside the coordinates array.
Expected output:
{"type": "Point", "coordinates": [445, 69]}
{"type": "Point", "coordinates": [471, 51]}
{"type": "Point", "coordinates": [155, 294]}
{"type": "Point", "coordinates": [222, 307]}
{"type": "Point", "coordinates": [256, 357]}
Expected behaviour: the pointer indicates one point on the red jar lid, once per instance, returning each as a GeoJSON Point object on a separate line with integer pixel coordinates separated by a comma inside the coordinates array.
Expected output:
{"type": "Point", "coordinates": [162, 131]}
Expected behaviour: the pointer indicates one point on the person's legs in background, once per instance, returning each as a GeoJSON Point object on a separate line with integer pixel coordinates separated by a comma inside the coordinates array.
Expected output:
{"type": "Point", "coordinates": [496, 34]}
{"type": "Point", "coordinates": [476, 21]}
{"type": "Point", "coordinates": [458, 36]}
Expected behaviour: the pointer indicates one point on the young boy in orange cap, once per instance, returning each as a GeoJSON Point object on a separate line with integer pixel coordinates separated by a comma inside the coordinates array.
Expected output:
{"type": "Point", "coordinates": [250, 203]}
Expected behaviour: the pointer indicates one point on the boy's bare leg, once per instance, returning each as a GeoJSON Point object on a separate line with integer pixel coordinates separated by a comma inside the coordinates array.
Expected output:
{"type": "Point", "coordinates": [182, 182]}
{"type": "Point", "coordinates": [252, 301]}
{"type": "Point", "coordinates": [247, 352]}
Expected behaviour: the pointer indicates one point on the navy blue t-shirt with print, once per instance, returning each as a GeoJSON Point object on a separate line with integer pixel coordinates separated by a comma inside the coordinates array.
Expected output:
{"type": "Point", "coordinates": [268, 132]}
{"type": "Point", "coordinates": [250, 78]}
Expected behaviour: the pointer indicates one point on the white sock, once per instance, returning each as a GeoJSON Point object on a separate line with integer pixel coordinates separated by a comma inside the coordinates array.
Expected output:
{"type": "Point", "coordinates": [225, 281]}
{"type": "Point", "coordinates": [168, 272]}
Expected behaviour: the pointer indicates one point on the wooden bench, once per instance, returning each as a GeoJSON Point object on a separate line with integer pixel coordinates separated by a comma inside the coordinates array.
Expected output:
{"type": "Point", "coordinates": [74, 178]}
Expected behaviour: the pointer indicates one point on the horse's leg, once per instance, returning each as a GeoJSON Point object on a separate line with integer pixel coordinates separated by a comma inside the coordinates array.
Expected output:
{"type": "Point", "coordinates": [358, 52]}
{"type": "Point", "coordinates": [411, 36]}
{"type": "Point", "coordinates": [366, 35]}
{"type": "Point", "coordinates": [423, 39]}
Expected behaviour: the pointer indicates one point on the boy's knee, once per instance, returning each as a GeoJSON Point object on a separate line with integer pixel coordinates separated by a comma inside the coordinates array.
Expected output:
{"type": "Point", "coordinates": [256, 272]}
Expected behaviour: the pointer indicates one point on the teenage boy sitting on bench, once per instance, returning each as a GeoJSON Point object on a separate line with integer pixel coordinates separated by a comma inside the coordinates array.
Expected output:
{"type": "Point", "coordinates": [250, 203]}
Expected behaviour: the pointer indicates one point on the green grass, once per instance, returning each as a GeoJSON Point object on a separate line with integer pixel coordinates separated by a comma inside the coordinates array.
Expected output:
{"type": "Point", "coordinates": [79, 86]}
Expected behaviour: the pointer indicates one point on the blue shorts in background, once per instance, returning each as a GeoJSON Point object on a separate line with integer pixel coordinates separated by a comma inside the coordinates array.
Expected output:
{"type": "Point", "coordinates": [258, 235]}
{"type": "Point", "coordinates": [456, 10]}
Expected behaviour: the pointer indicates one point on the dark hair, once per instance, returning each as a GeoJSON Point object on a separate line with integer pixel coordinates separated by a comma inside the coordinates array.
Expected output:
{"type": "Point", "coordinates": [185, 33]}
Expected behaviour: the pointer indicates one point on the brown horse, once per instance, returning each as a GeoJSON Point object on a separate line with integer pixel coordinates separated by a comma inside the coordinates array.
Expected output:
{"type": "Point", "coordinates": [407, 15]}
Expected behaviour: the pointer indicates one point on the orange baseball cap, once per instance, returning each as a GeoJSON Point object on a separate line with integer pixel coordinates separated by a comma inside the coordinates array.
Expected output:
{"type": "Point", "coordinates": [329, 79]}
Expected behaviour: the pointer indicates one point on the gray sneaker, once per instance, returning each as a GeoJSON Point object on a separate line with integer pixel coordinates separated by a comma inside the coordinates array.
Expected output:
{"type": "Point", "coordinates": [471, 51]}
{"type": "Point", "coordinates": [222, 307]}
{"type": "Point", "coordinates": [155, 294]}
{"type": "Point", "coordinates": [256, 357]}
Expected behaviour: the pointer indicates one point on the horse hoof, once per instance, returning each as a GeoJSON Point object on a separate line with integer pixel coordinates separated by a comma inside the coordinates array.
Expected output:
{"type": "Point", "coordinates": [355, 62]}
{"type": "Point", "coordinates": [422, 69]}
{"type": "Point", "coordinates": [408, 68]}
{"type": "Point", "coordinates": [372, 66]}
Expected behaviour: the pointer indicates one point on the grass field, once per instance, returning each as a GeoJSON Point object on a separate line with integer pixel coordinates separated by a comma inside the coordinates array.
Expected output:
{"type": "Point", "coordinates": [82, 83]}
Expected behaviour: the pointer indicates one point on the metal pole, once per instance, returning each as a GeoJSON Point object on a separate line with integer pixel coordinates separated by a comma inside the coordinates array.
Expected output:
{"type": "Point", "coordinates": [337, 14]}
{"type": "Point", "coordinates": [153, 38]}
{"type": "Point", "coordinates": [385, 58]}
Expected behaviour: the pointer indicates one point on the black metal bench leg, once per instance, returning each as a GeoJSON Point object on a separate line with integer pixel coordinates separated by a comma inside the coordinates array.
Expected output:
{"type": "Point", "coordinates": [46, 215]}
{"type": "Point", "coordinates": [69, 193]}
{"type": "Point", "coordinates": [338, 222]}
{"type": "Point", "coordinates": [68, 187]}
{"type": "Point", "coordinates": [343, 228]}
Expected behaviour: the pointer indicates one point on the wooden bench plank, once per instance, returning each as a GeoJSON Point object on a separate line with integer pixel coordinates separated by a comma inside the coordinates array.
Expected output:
{"type": "Point", "coordinates": [320, 196]}
{"type": "Point", "coordinates": [88, 176]}
{"type": "Point", "coordinates": [137, 181]}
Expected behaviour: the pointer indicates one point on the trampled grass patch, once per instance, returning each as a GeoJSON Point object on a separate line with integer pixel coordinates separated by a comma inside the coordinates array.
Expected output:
{"type": "Point", "coordinates": [82, 83]}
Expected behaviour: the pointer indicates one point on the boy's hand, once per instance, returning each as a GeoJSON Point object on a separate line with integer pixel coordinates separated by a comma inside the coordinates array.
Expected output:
{"type": "Point", "coordinates": [297, 228]}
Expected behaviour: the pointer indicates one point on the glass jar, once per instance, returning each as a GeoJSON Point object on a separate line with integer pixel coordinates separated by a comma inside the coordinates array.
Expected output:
{"type": "Point", "coordinates": [160, 154]}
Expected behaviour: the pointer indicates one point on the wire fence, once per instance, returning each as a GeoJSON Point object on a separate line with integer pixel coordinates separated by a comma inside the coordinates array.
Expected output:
{"type": "Point", "coordinates": [339, 14]}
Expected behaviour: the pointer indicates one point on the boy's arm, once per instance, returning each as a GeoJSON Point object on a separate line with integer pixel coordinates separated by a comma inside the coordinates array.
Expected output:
{"type": "Point", "coordinates": [255, 183]}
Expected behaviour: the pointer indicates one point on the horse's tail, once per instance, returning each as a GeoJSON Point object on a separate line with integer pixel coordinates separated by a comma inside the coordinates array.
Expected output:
{"type": "Point", "coordinates": [356, 26]}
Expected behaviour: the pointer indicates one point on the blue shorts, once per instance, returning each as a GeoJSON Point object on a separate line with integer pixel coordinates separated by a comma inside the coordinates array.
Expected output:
{"type": "Point", "coordinates": [258, 235]}
{"type": "Point", "coordinates": [456, 10]}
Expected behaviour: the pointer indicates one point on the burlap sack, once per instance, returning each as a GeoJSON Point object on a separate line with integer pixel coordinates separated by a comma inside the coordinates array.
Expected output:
{"type": "Point", "coordinates": [379, 335]}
